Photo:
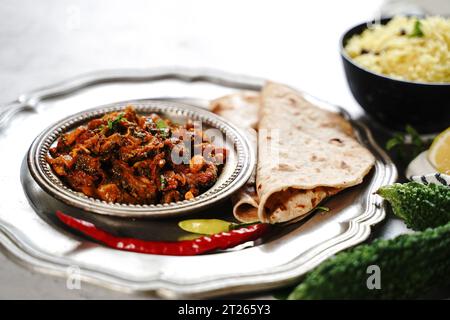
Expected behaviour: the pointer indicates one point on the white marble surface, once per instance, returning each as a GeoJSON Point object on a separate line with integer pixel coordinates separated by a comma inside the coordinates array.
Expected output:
{"type": "Point", "coordinates": [295, 42]}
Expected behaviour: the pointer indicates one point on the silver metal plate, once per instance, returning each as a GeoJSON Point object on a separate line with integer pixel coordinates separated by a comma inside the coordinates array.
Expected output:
{"type": "Point", "coordinates": [280, 260]}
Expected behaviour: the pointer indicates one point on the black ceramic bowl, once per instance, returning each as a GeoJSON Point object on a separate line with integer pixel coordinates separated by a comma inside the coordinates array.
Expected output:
{"type": "Point", "coordinates": [396, 103]}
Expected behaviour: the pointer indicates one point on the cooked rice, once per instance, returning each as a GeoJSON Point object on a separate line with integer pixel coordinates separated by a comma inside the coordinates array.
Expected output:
{"type": "Point", "coordinates": [392, 50]}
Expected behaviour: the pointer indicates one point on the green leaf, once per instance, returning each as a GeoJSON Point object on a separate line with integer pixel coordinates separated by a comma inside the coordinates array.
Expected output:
{"type": "Point", "coordinates": [413, 132]}
{"type": "Point", "coordinates": [407, 145]}
{"type": "Point", "coordinates": [393, 142]}
{"type": "Point", "coordinates": [415, 137]}
{"type": "Point", "coordinates": [162, 126]}
{"type": "Point", "coordinates": [163, 182]}
{"type": "Point", "coordinates": [112, 124]}
{"type": "Point", "coordinates": [417, 30]}
{"type": "Point", "coordinates": [326, 209]}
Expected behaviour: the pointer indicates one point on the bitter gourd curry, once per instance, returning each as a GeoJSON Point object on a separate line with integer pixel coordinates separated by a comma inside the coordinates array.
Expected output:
{"type": "Point", "coordinates": [128, 158]}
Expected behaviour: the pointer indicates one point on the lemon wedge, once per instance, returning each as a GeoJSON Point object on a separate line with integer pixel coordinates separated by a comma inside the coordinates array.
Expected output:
{"type": "Point", "coordinates": [439, 152]}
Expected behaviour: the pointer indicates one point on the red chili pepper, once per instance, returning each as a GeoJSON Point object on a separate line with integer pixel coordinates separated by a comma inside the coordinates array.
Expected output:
{"type": "Point", "coordinates": [200, 245]}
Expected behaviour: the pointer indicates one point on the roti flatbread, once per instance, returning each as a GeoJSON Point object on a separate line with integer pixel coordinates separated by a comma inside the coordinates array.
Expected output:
{"type": "Point", "coordinates": [242, 110]}
{"type": "Point", "coordinates": [305, 154]}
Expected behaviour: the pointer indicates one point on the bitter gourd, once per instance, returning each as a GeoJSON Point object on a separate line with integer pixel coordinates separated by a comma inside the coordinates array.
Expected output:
{"type": "Point", "coordinates": [420, 206]}
{"type": "Point", "coordinates": [409, 265]}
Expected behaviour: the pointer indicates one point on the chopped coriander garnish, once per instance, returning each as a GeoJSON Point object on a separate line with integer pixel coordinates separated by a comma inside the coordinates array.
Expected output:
{"type": "Point", "coordinates": [163, 182]}
{"type": "Point", "coordinates": [417, 30]}
{"type": "Point", "coordinates": [162, 126]}
{"type": "Point", "coordinates": [326, 209]}
{"type": "Point", "coordinates": [113, 123]}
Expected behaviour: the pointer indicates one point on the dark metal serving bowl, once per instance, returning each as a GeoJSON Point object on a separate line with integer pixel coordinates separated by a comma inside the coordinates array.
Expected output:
{"type": "Point", "coordinates": [395, 103]}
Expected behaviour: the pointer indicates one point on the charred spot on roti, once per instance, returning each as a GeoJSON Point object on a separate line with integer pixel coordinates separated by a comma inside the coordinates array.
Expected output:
{"type": "Point", "coordinates": [344, 165]}
{"type": "Point", "coordinates": [292, 101]}
{"type": "Point", "coordinates": [336, 141]}
{"type": "Point", "coordinates": [316, 158]}
{"type": "Point", "coordinates": [218, 107]}
{"type": "Point", "coordinates": [285, 167]}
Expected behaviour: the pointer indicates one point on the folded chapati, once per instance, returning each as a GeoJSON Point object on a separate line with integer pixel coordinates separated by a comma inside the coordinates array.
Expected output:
{"type": "Point", "coordinates": [305, 154]}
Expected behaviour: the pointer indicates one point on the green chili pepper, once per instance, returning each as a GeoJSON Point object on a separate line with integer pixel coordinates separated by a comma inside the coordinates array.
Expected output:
{"type": "Point", "coordinates": [206, 226]}
{"type": "Point", "coordinates": [190, 236]}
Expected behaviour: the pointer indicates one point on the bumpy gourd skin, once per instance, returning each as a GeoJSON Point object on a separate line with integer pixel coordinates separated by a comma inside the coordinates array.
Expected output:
{"type": "Point", "coordinates": [420, 206]}
{"type": "Point", "coordinates": [411, 265]}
